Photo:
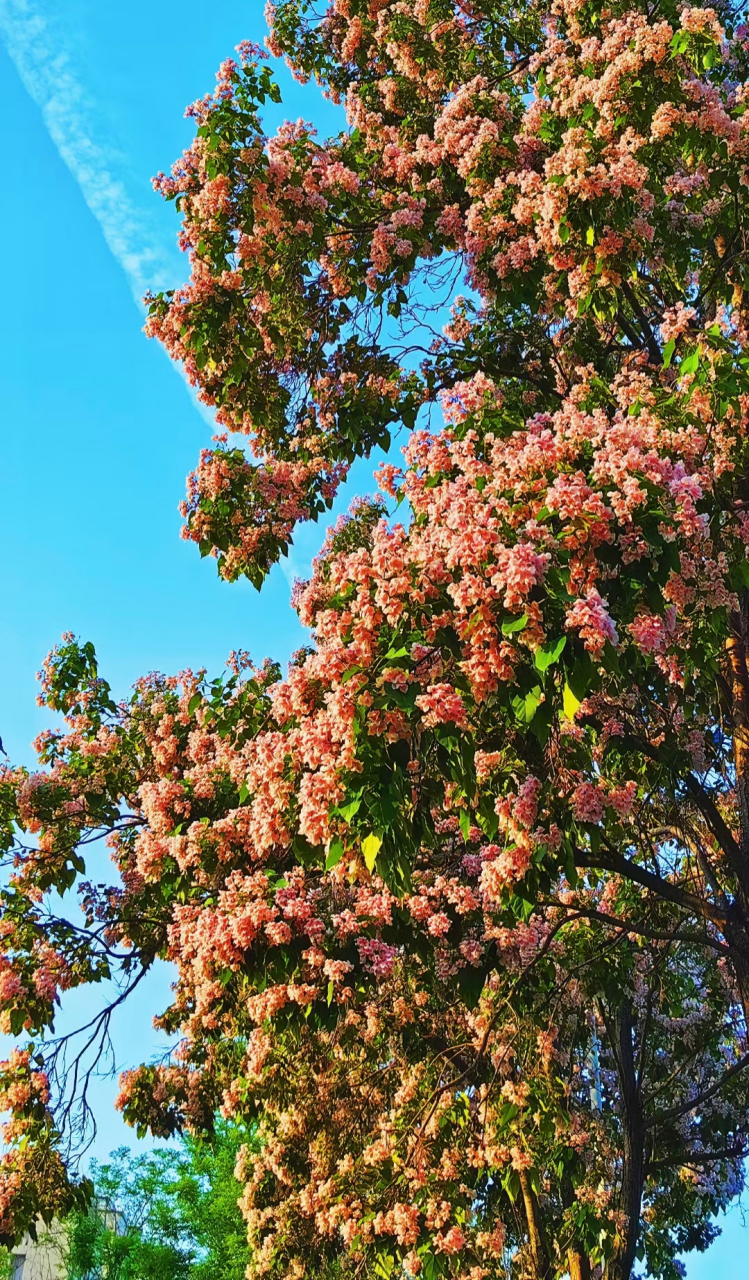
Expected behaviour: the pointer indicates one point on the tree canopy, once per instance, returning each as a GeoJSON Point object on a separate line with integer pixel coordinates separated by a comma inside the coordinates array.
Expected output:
{"type": "Point", "coordinates": [459, 908]}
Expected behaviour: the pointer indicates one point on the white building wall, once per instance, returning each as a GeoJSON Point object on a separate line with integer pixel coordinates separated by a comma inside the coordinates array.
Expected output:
{"type": "Point", "coordinates": [43, 1258]}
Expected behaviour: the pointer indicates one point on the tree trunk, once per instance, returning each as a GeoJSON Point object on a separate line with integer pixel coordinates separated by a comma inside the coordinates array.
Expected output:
{"type": "Point", "coordinates": [578, 1264]}
{"type": "Point", "coordinates": [633, 1168]}
{"type": "Point", "coordinates": [539, 1256]}
{"type": "Point", "coordinates": [737, 649]}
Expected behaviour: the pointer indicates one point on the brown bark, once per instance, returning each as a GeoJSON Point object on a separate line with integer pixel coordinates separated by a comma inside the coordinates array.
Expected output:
{"type": "Point", "coordinates": [539, 1255]}
{"type": "Point", "coordinates": [578, 1264]}
{"type": "Point", "coordinates": [634, 1161]}
{"type": "Point", "coordinates": [736, 649]}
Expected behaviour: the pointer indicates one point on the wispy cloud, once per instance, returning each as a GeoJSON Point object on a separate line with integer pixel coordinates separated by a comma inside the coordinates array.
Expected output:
{"type": "Point", "coordinates": [139, 237]}
{"type": "Point", "coordinates": [136, 237]}
{"type": "Point", "coordinates": [133, 222]}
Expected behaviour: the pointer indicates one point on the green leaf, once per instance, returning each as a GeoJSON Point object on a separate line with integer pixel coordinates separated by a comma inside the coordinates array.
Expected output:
{"type": "Point", "coordinates": [508, 1113]}
{"type": "Point", "coordinates": [526, 705]}
{"type": "Point", "coordinates": [194, 703]}
{"type": "Point", "coordinates": [244, 791]}
{"type": "Point", "coordinates": [487, 816]}
{"type": "Point", "coordinates": [549, 653]}
{"type": "Point", "coordinates": [512, 1185]}
{"type": "Point", "coordinates": [668, 352]}
{"type": "Point", "coordinates": [370, 848]}
{"type": "Point", "coordinates": [470, 985]}
{"type": "Point", "coordinates": [570, 703]}
{"type": "Point", "coordinates": [347, 811]}
{"type": "Point", "coordinates": [541, 726]}
{"type": "Point", "coordinates": [511, 625]}
{"type": "Point", "coordinates": [582, 677]}
{"type": "Point", "coordinates": [335, 853]}
{"type": "Point", "coordinates": [330, 993]}
{"type": "Point", "coordinates": [465, 822]}
{"type": "Point", "coordinates": [691, 363]}
{"type": "Point", "coordinates": [532, 702]}
{"type": "Point", "coordinates": [564, 232]}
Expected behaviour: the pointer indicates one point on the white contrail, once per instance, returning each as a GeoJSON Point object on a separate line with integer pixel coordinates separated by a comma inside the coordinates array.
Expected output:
{"type": "Point", "coordinates": [137, 233]}
{"type": "Point", "coordinates": [135, 238]}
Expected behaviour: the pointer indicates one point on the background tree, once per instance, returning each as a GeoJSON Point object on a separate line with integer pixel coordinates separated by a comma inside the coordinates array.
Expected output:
{"type": "Point", "coordinates": [525, 704]}
{"type": "Point", "coordinates": [170, 1214]}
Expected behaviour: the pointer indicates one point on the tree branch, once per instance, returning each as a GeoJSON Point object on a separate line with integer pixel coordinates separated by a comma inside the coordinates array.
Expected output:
{"type": "Point", "coordinates": [675, 1112]}
{"type": "Point", "coordinates": [720, 829]}
{"type": "Point", "coordinates": [697, 1158]}
{"type": "Point", "coordinates": [631, 926]}
{"type": "Point", "coordinates": [671, 892]}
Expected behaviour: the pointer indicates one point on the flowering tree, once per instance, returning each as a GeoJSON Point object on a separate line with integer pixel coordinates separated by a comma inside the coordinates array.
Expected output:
{"type": "Point", "coordinates": [494, 825]}
{"type": "Point", "coordinates": [445, 1076]}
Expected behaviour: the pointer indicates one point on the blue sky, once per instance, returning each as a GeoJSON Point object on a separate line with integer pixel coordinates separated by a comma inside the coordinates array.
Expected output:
{"type": "Point", "coordinates": [99, 429]}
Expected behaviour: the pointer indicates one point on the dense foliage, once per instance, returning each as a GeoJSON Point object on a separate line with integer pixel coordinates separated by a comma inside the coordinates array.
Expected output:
{"type": "Point", "coordinates": [460, 907]}
{"type": "Point", "coordinates": [170, 1214]}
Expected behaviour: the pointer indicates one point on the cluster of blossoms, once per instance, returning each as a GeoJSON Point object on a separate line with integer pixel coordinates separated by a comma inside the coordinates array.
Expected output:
{"type": "Point", "coordinates": [572, 170]}
{"type": "Point", "coordinates": [34, 1181]}
{"type": "Point", "coordinates": [458, 907]}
